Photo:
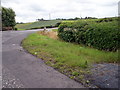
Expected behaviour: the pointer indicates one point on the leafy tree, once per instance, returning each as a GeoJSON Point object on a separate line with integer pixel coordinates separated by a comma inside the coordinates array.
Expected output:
{"type": "Point", "coordinates": [8, 17]}
{"type": "Point", "coordinates": [76, 18]}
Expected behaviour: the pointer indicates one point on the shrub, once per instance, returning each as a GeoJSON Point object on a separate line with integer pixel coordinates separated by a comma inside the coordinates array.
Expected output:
{"type": "Point", "coordinates": [57, 24]}
{"type": "Point", "coordinates": [8, 18]}
{"type": "Point", "coordinates": [103, 36]}
{"type": "Point", "coordinates": [107, 19]}
{"type": "Point", "coordinates": [15, 29]}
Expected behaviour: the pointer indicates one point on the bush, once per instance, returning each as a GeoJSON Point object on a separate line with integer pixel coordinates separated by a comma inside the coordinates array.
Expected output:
{"type": "Point", "coordinates": [57, 24]}
{"type": "Point", "coordinates": [107, 19]}
{"type": "Point", "coordinates": [8, 17]}
{"type": "Point", "coordinates": [103, 36]}
{"type": "Point", "coordinates": [15, 29]}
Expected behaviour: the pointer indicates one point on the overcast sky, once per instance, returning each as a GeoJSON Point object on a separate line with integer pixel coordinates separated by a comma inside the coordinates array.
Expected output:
{"type": "Point", "coordinates": [30, 10]}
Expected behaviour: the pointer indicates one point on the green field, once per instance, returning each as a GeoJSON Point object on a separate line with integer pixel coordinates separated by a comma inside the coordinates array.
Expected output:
{"type": "Point", "coordinates": [64, 52]}
{"type": "Point", "coordinates": [70, 59]}
{"type": "Point", "coordinates": [37, 25]}
{"type": "Point", "coordinates": [41, 24]}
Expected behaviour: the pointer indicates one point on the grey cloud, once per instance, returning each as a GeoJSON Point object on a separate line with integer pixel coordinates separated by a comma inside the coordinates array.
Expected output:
{"type": "Point", "coordinates": [27, 10]}
{"type": "Point", "coordinates": [37, 8]}
{"type": "Point", "coordinates": [110, 4]}
{"type": "Point", "coordinates": [81, 1]}
{"type": "Point", "coordinates": [10, 1]}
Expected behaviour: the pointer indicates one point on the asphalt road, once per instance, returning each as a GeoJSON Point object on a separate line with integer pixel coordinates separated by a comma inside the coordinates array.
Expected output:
{"type": "Point", "coordinates": [23, 70]}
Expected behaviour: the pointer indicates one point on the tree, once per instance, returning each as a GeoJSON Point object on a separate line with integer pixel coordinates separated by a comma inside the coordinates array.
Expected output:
{"type": "Point", "coordinates": [40, 19]}
{"type": "Point", "coordinates": [8, 17]}
{"type": "Point", "coordinates": [76, 18]}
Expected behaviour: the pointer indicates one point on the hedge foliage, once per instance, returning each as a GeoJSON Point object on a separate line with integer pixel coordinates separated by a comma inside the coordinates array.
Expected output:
{"type": "Point", "coordinates": [8, 17]}
{"type": "Point", "coordinates": [101, 33]}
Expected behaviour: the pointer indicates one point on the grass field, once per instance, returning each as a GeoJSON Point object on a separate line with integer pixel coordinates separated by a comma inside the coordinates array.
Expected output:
{"type": "Point", "coordinates": [71, 59]}
{"type": "Point", "coordinates": [35, 25]}
{"type": "Point", "coordinates": [67, 52]}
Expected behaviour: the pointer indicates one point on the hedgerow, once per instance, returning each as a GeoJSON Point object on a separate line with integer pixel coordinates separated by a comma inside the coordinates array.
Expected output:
{"type": "Point", "coordinates": [101, 34]}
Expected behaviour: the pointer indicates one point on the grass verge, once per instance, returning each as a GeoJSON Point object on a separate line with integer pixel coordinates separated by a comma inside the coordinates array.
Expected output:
{"type": "Point", "coordinates": [68, 58]}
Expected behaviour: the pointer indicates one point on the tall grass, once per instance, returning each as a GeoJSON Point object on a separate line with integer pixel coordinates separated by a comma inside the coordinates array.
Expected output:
{"type": "Point", "coordinates": [66, 53]}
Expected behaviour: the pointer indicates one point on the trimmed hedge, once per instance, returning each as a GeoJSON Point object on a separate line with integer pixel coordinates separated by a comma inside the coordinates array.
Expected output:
{"type": "Point", "coordinates": [101, 35]}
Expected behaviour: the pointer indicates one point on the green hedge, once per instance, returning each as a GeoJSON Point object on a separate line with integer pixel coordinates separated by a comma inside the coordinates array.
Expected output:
{"type": "Point", "coordinates": [101, 35]}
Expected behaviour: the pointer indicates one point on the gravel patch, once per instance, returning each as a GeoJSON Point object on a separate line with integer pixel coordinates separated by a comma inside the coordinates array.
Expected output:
{"type": "Point", "coordinates": [9, 80]}
{"type": "Point", "coordinates": [105, 75]}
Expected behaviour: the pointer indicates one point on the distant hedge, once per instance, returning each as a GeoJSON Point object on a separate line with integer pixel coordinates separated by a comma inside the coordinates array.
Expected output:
{"type": "Point", "coordinates": [101, 34]}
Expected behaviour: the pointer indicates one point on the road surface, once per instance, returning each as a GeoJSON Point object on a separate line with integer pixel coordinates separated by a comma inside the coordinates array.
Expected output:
{"type": "Point", "coordinates": [23, 70]}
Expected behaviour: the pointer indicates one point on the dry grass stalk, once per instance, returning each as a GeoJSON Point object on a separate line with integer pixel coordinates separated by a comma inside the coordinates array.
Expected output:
{"type": "Point", "coordinates": [51, 34]}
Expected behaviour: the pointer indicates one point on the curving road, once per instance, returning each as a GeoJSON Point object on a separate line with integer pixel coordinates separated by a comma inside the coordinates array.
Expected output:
{"type": "Point", "coordinates": [22, 70]}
